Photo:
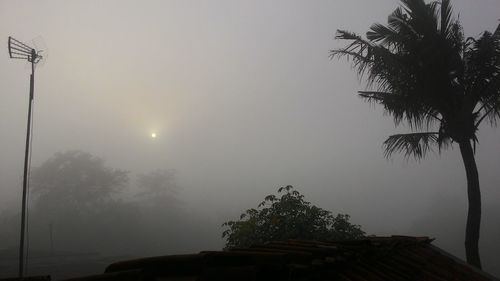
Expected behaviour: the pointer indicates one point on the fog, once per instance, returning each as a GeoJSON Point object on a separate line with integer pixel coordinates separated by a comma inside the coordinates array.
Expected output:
{"type": "Point", "coordinates": [243, 99]}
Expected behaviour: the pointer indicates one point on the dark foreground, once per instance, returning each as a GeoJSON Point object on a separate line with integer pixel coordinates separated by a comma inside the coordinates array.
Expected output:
{"type": "Point", "coordinates": [59, 267]}
{"type": "Point", "coordinates": [374, 258]}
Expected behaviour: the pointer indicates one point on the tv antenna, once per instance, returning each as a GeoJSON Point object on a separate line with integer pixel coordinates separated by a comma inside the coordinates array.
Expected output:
{"type": "Point", "coordinates": [19, 50]}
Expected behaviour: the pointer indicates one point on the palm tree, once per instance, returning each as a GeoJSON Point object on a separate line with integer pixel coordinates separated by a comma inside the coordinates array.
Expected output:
{"type": "Point", "coordinates": [423, 71]}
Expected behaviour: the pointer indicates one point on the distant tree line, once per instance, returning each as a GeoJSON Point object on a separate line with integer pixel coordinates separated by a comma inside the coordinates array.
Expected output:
{"type": "Point", "coordinates": [80, 204]}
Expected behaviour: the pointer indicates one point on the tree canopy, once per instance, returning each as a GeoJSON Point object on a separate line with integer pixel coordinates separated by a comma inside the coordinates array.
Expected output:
{"type": "Point", "coordinates": [423, 71]}
{"type": "Point", "coordinates": [288, 217]}
{"type": "Point", "coordinates": [75, 181]}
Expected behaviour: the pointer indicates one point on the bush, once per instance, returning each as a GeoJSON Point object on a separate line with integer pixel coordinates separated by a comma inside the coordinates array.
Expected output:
{"type": "Point", "coordinates": [288, 217]}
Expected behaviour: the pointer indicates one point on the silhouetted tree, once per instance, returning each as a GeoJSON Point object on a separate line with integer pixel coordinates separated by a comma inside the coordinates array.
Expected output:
{"type": "Point", "coordinates": [425, 73]}
{"type": "Point", "coordinates": [78, 195]}
{"type": "Point", "coordinates": [288, 217]}
{"type": "Point", "coordinates": [75, 181]}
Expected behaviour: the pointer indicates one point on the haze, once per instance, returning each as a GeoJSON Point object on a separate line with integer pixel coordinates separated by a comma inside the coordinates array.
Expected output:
{"type": "Point", "coordinates": [243, 99]}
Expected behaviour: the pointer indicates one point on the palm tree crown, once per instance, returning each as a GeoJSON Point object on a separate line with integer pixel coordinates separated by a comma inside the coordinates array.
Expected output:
{"type": "Point", "coordinates": [424, 72]}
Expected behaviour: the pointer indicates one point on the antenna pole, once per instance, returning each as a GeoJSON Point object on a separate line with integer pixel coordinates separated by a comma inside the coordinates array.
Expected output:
{"type": "Point", "coordinates": [19, 50]}
{"type": "Point", "coordinates": [26, 167]}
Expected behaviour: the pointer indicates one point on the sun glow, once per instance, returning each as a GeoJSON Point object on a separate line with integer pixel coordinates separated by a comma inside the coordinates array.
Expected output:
{"type": "Point", "coordinates": [153, 135]}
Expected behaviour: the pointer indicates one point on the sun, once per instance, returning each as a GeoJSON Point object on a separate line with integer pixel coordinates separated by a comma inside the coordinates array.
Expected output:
{"type": "Point", "coordinates": [153, 135]}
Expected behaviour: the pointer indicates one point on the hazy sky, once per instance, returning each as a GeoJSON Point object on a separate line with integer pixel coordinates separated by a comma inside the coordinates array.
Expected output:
{"type": "Point", "coordinates": [242, 96]}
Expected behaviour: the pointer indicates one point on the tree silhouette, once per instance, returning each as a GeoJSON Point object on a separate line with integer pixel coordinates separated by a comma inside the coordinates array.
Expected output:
{"type": "Point", "coordinates": [423, 71]}
{"type": "Point", "coordinates": [75, 181]}
{"type": "Point", "coordinates": [288, 217]}
{"type": "Point", "coordinates": [78, 196]}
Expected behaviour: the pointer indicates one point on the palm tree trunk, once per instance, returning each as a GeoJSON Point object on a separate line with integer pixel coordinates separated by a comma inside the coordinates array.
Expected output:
{"type": "Point", "coordinates": [474, 212]}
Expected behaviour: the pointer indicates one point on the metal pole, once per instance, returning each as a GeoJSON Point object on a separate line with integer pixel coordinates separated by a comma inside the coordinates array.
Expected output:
{"type": "Point", "coordinates": [51, 232]}
{"type": "Point", "coordinates": [26, 162]}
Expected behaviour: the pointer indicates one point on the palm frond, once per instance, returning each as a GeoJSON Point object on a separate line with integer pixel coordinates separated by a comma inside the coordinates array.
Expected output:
{"type": "Point", "coordinates": [490, 110]}
{"type": "Point", "coordinates": [482, 73]}
{"type": "Point", "coordinates": [368, 58]}
{"type": "Point", "coordinates": [354, 50]}
{"type": "Point", "coordinates": [403, 108]}
{"type": "Point", "coordinates": [400, 22]}
{"type": "Point", "coordinates": [423, 17]}
{"type": "Point", "coordinates": [384, 35]}
{"type": "Point", "coordinates": [497, 32]}
{"type": "Point", "coordinates": [413, 144]}
{"type": "Point", "coordinates": [413, 7]}
{"type": "Point", "coordinates": [446, 18]}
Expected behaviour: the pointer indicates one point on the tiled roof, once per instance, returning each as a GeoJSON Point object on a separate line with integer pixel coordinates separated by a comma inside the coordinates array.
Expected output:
{"type": "Point", "coordinates": [374, 258]}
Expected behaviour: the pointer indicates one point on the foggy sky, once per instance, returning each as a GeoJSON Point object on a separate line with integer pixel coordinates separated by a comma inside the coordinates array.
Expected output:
{"type": "Point", "coordinates": [243, 98]}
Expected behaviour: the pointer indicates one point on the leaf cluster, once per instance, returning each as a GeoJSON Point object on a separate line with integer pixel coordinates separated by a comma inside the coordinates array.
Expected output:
{"type": "Point", "coordinates": [288, 216]}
